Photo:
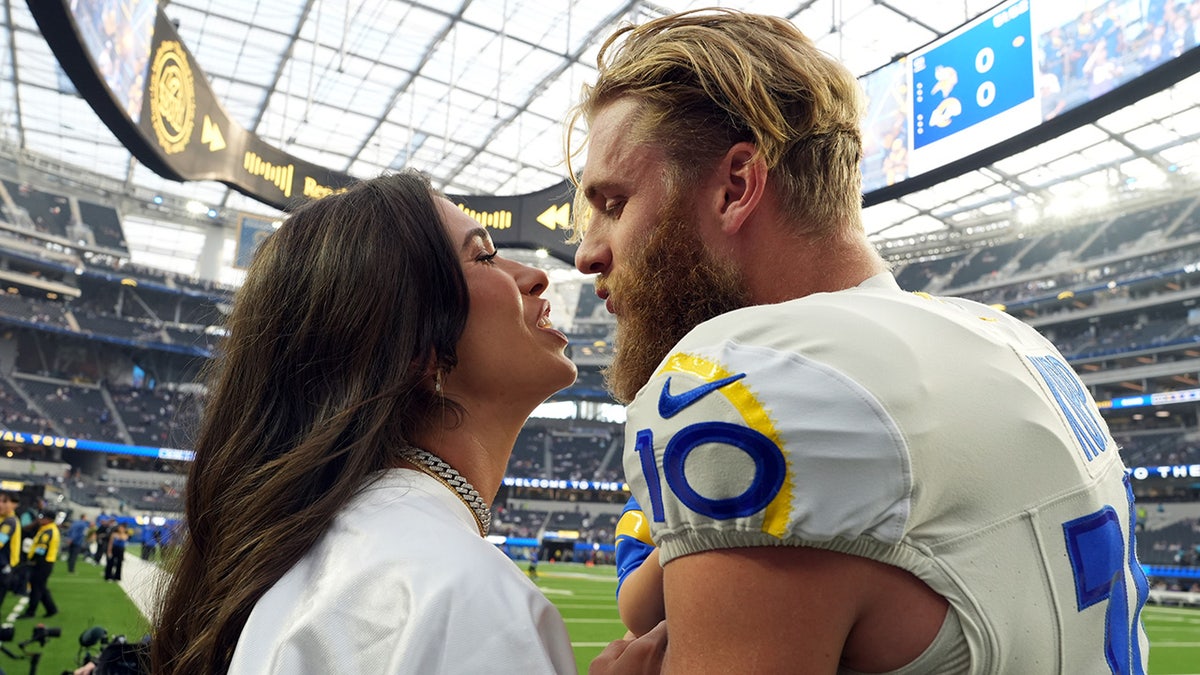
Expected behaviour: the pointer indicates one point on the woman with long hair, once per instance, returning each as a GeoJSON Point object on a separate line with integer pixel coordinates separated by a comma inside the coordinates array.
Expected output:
{"type": "Point", "coordinates": [379, 364]}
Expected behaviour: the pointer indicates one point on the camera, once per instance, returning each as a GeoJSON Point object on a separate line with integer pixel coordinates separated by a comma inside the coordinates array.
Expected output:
{"type": "Point", "coordinates": [40, 634]}
{"type": "Point", "coordinates": [116, 656]}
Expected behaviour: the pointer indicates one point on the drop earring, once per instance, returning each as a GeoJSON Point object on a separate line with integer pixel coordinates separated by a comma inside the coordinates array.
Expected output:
{"type": "Point", "coordinates": [437, 381]}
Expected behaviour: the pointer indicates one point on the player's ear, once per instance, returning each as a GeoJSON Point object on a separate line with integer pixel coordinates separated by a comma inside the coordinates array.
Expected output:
{"type": "Point", "coordinates": [743, 176]}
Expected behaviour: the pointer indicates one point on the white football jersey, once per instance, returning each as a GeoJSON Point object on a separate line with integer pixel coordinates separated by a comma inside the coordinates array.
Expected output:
{"type": "Point", "coordinates": [934, 434]}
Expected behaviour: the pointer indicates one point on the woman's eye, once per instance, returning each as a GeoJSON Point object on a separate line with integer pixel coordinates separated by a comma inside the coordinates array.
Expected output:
{"type": "Point", "coordinates": [487, 258]}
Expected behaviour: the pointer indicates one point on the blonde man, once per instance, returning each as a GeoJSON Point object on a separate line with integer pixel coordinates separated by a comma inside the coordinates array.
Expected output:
{"type": "Point", "coordinates": [839, 476]}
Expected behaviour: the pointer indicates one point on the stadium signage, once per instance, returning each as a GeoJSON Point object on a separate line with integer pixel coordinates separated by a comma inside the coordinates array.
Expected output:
{"type": "Point", "coordinates": [172, 97]}
{"type": "Point", "coordinates": [607, 486]}
{"type": "Point", "coordinates": [1175, 471]}
{"type": "Point", "coordinates": [128, 62]}
{"type": "Point", "coordinates": [1160, 398]}
{"type": "Point", "coordinates": [38, 439]}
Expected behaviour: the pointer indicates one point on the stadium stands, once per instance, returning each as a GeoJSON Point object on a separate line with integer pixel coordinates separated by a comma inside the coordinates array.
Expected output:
{"type": "Point", "coordinates": [1115, 293]}
{"type": "Point", "coordinates": [40, 211]}
{"type": "Point", "coordinates": [1174, 544]}
{"type": "Point", "coordinates": [81, 411]}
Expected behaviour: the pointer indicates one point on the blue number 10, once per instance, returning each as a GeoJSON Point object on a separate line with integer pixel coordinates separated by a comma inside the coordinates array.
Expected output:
{"type": "Point", "coordinates": [770, 469]}
{"type": "Point", "coordinates": [1099, 553]}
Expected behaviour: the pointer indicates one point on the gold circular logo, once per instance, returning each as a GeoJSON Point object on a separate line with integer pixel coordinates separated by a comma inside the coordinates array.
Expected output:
{"type": "Point", "coordinates": [172, 97]}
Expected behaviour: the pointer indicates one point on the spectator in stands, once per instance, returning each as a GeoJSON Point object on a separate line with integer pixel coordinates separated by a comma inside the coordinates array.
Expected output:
{"type": "Point", "coordinates": [116, 553]}
{"type": "Point", "coordinates": [381, 360]}
{"type": "Point", "coordinates": [42, 557]}
{"type": "Point", "coordinates": [77, 535]}
{"type": "Point", "coordinates": [860, 449]}
{"type": "Point", "coordinates": [10, 541]}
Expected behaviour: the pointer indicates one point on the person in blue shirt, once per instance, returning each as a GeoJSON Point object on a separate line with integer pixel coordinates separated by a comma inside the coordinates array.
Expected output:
{"type": "Point", "coordinates": [149, 539]}
{"type": "Point", "coordinates": [77, 540]}
{"type": "Point", "coordinates": [115, 555]}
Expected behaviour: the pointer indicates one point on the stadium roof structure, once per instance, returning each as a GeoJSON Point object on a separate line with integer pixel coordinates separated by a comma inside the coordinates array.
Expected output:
{"type": "Point", "coordinates": [474, 93]}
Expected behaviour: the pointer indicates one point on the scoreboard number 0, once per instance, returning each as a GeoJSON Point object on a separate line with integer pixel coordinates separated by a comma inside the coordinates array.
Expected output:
{"type": "Point", "coordinates": [986, 93]}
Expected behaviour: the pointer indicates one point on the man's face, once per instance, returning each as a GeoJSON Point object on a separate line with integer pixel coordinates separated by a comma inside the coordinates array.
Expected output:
{"type": "Point", "coordinates": [644, 241]}
{"type": "Point", "coordinates": [7, 506]}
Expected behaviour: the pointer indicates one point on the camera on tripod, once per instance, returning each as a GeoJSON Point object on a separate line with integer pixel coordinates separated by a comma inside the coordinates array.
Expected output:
{"type": "Point", "coordinates": [116, 656]}
{"type": "Point", "coordinates": [41, 633]}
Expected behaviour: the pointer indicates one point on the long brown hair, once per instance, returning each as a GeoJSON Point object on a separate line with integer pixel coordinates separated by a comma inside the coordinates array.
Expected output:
{"type": "Point", "coordinates": [346, 310]}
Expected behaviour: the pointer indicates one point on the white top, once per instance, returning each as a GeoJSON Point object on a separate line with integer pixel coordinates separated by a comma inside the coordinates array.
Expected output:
{"type": "Point", "coordinates": [935, 434]}
{"type": "Point", "coordinates": [403, 583]}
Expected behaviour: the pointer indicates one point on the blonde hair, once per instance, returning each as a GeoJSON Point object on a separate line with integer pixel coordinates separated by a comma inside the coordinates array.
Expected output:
{"type": "Point", "coordinates": [708, 79]}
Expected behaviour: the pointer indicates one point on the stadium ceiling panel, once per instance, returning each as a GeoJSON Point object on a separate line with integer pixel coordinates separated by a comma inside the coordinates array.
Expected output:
{"type": "Point", "coordinates": [475, 92]}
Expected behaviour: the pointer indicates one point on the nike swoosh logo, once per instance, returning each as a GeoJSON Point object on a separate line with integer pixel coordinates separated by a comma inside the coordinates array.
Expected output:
{"type": "Point", "coordinates": [670, 405]}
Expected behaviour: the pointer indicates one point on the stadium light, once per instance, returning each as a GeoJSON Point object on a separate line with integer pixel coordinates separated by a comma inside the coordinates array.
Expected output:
{"type": "Point", "coordinates": [196, 208]}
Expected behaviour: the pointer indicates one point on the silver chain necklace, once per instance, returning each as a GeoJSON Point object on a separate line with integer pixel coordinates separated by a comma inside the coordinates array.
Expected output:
{"type": "Point", "coordinates": [433, 465]}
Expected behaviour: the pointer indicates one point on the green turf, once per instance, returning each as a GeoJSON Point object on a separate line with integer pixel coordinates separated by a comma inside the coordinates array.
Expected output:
{"type": "Point", "coordinates": [583, 595]}
{"type": "Point", "coordinates": [1174, 640]}
{"type": "Point", "coordinates": [84, 600]}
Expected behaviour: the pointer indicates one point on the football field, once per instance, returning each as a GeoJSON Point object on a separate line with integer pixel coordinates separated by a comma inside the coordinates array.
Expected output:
{"type": "Point", "coordinates": [585, 597]}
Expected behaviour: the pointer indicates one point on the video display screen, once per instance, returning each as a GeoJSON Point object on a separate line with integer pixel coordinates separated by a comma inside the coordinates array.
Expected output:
{"type": "Point", "coordinates": [117, 35]}
{"type": "Point", "coordinates": [1018, 65]}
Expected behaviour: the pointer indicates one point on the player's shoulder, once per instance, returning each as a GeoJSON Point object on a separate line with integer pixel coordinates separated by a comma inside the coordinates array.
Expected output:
{"type": "Point", "coordinates": [874, 317]}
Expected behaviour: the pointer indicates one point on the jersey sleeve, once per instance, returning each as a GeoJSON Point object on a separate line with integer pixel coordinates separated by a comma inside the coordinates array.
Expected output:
{"type": "Point", "coordinates": [743, 439]}
{"type": "Point", "coordinates": [634, 543]}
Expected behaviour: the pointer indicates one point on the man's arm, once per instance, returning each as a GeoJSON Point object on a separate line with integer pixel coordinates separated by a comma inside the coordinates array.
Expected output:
{"type": "Point", "coordinates": [794, 609]}
{"type": "Point", "coordinates": [757, 610]}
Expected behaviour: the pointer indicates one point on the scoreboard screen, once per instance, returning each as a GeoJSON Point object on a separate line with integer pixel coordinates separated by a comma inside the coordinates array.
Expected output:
{"type": "Point", "coordinates": [972, 77]}
{"type": "Point", "coordinates": [118, 36]}
{"type": "Point", "coordinates": [1018, 66]}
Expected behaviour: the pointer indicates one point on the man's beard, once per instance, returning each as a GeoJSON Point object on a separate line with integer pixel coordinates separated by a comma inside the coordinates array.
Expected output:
{"type": "Point", "coordinates": [670, 286]}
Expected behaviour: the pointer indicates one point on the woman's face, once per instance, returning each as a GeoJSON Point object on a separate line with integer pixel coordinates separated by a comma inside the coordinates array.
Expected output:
{"type": "Point", "coordinates": [508, 348]}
